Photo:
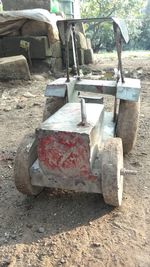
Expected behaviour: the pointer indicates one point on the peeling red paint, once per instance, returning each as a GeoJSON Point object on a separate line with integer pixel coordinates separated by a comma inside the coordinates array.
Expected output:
{"type": "Point", "coordinates": [66, 153]}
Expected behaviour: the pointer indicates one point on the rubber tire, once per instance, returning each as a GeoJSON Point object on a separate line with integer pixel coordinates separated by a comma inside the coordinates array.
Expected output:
{"type": "Point", "coordinates": [25, 157]}
{"type": "Point", "coordinates": [52, 104]}
{"type": "Point", "coordinates": [127, 123]}
{"type": "Point", "coordinates": [112, 163]}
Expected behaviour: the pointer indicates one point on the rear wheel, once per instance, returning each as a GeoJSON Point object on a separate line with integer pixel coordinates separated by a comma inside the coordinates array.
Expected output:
{"type": "Point", "coordinates": [127, 124]}
{"type": "Point", "coordinates": [112, 180]}
{"type": "Point", "coordinates": [25, 157]}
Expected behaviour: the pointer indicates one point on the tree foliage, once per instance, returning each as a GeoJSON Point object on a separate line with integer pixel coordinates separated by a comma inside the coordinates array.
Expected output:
{"type": "Point", "coordinates": [101, 34]}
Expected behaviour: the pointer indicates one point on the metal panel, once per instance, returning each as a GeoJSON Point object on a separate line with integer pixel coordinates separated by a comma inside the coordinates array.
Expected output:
{"type": "Point", "coordinates": [129, 90]}
{"type": "Point", "coordinates": [56, 88]}
{"type": "Point", "coordinates": [78, 184]}
{"type": "Point", "coordinates": [61, 88]}
{"type": "Point", "coordinates": [91, 98]}
{"type": "Point", "coordinates": [67, 150]}
{"type": "Point", "coordinates": [57, 91]}
{"type": "Point", "coordinates": [123, 28]}
{"type": "Point", "coordinates": [88, 179]}
{"type": "Point", "coordinates": [96, 86]}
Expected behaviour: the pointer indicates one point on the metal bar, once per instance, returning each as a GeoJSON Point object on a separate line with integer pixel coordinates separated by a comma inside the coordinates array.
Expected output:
{"type": "Point", "coordinates": [70, 21]}
{"type": "Point", "coordinates": [67, 37]}
{"type": "Point", "coordinates": [118, 40]}
{"type": "Point", "coordinates": [97, 86]}
{"type": "Point", "coordinates": [129, 90]}
{"type": "Point", "coordinates": [83, 112]}
{"type": "Point", "coordinates": [76, 51]}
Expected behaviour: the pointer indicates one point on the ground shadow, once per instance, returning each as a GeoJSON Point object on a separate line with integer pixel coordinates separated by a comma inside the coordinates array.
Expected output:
{"type": "Point", "coordinates": [55, 212]}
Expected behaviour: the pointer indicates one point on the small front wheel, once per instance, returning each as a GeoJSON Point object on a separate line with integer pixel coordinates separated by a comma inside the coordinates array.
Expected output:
{"type": "Point", "coordinates": [25, 157]}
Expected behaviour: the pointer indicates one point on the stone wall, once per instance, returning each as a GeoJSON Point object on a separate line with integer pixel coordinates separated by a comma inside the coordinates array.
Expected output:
{"type": "Point", "coordinates": [25, 4]}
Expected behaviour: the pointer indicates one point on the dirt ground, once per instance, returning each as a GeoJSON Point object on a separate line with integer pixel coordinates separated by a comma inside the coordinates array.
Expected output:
{"type": "Point", "coordinates": [72, 229]}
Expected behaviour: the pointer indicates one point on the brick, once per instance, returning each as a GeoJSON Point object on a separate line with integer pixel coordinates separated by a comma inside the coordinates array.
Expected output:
{"type": "Point", "coordinates": [39, 46]}
{"type": "Point", "coordinates": [15, 67]}
{"type": "Point", "coordinates": [34, 28]}
{"type": "Point", "coordinates": [56, 49]}
{"type": "Point", "coordinates": [88, 56]}
{"type": "Point", "coordinates": [81, 41]}
{"type": "Point", "coordinates": [1, 48]}
{"type": "Point", "coordinates": [56, 64]}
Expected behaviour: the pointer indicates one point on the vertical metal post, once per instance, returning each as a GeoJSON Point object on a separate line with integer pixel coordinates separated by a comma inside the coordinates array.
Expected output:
{"type": "Point", "coordinates": [67, 36]}
{"type": "Point", "coordinates": [83, 112]}
{"type": "Point", "coordinates": [118, 40]}
{"type": "Point", "coordinates": [119, 50]}
{"type": "Point", "coordinates": [76, 51]}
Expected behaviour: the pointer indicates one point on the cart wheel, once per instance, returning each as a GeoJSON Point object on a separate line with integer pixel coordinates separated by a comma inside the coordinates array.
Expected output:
{"type": "Point", "coordinates": [25, 157]}
{"type": "Point", "coordinates": [112, 163]}
{"type": "Point", "coordinates": [127, 124]}
{"type": "Point", "coordinates": [52, 104]}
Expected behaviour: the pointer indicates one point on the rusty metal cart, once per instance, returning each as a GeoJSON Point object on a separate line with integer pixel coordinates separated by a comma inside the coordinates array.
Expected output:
{"type": "Point", "coordinates": [79, 146]}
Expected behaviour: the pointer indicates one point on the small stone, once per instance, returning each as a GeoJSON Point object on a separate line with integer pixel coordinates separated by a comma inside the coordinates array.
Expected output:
{"type": "Point", "coordinates": [41, 230]}
{"type": "Point", "coordinates": [95, 244]}
{"type": "Point", "coordinates": [38, 77]}
{"type": "Point", "coordinates": [28, 95]}
{"type": "Point", "coordinates": [5, 261]}
{"type": "Point", "coordinates": [13, 236]}
{"type": "Point", "coordinates": [62, 261]}
{"type": "Point", "coordinates": [7, 235]}
{"type": "Point", "coordinates": [29, 226]}
{"type": "Point", "coordinates": [20, 106]}
{"type": "Point", "coordinates": [7, 109]}
{"type": "Point", "coordinates": [36, 104]}
{"type": "Point", "coordinates": [2, 240]}
{"type": "Point", "coordinates": [9, 166]}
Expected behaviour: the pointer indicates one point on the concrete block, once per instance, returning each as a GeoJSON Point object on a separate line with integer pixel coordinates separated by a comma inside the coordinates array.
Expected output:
{"type": "Point", "coordinates": [56, 64]}
{"type": "Point", "coordinates": [71, 61]}
{"type": "Point", "coordinates": [39, 46]}
{"type": "Point", "coordinates": [81, 56]}
{"type": "Point", "coordinates": [88, 41]}
{"type": "Point", "coordinates": [56, 49]}
{"type": "Point", "coordinates": [81, 41]}
{"type": "Point", "coordinates": [34, 28]}
{"type": "Point", "coordinates": [15, 67]}
{"type": "Point", "coordinates": [88, 56]}
{"type": "Point", "coordinates": [1, 48]}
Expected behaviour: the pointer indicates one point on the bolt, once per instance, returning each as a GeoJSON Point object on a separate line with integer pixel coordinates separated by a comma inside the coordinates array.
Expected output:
{"type": "Point", "coordinates": [127, 172]}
